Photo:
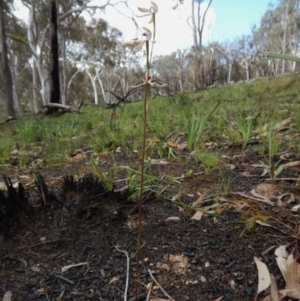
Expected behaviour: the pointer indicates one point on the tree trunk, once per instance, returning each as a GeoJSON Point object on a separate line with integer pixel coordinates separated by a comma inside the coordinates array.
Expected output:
{"type": "Point", "coordinates": [102, 89]}
{"type": "Point", "coordinates": [54, 57]}
{"type": "Point", "coordinates": [6, 72]}
{"type": "Point", "coordinates": [36, 99]}
{"type": "Point", "coordinates": [14, 64]}
{"type": "Point", "coordinates": [69, 85]}
{"type": "Point", "coordinates": [32, 34]}
{"type": "Point", "coordinates": [230, 63]}
{"type": "Point", "coordinates": [197, 28]}
{"type": "Point", "coordinates": [64, 73]}
{"type": "Point", "coordinates": [93, 80]}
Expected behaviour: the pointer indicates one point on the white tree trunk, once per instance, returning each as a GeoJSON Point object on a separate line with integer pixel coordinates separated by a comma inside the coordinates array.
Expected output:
{"type": "Point", "coordinates": [14, 69]}
{"type": "Point", "coordinates": [230, 63]}
{"type": "Point", "coordinates": [36, 99]}
{"type": "Point", "coordinates": [38, 58]}
{"type": "Point", "coordinates": [69, 84]}
{"type": "Point", "coordinates": [102, 89]}
{"type": "Point", "coordinates": [93, 80]}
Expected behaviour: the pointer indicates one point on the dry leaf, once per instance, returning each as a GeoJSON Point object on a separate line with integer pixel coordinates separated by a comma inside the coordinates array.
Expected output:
{"type": "Point", "coordinates": [274, 291]}
{"type": "Point", "coordinates": [7, 296]}
{"type": "Point", "coordinates": [296, 208]}
{"type": "Point", "coordinates": [282, 252]}
{"type": "Point", "coordinates": [40, 291]}
{"type": "Point", "coordinates": [291, 164]}
{"type": "Point", "coordinates": [283, 259]}
{"type": "Point", "coordinates": [291, 277]}
{"type": "Point", "coordinates": [174, 219]}
{"type": "Point", "coordinates": [197, 216]}
{"type": "Point", "coordinates": [63, 269]}
{"type": "Point", "coordinates": [280, 126]}
{"type": "Point", "coordinates": [264, 279]}
{"type": "Point", "coordinates": [290, 293]}
{"type": "Point", "coordinates": [35, 269]}
{"type": "Point", "coordinates": [281, 262]}
{"type": "Point", "coordinates": [290, 270]}
{"type": "Point", "coordinates": [113, 280]}
{"type": "Point", "coordinates": [177, 145]}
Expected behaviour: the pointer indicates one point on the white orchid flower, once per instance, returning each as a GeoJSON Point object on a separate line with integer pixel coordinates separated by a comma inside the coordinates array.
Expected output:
{"type": "Point", "coordinates": [149, 11]}
{"type": "Point", "coordinates": [138, 44]}
{"type": "Point", "coordinates": [147, 34]}
{"type": "Point", "coordinates": [148, 80]}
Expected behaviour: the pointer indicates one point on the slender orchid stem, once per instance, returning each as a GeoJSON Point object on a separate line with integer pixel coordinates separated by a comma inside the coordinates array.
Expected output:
{"type": "Point", "coordinates": [146, 98]}
{"type": "Point", "coordinates": [143, 155]}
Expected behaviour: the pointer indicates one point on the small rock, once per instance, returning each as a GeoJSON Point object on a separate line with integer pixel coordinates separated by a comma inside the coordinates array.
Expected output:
{"type": "Point", "coordinates": [203, 279]}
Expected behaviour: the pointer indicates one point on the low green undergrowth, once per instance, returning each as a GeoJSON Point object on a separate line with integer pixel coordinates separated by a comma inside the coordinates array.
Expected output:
{"type": "Point", "coordinates": [243, 110]}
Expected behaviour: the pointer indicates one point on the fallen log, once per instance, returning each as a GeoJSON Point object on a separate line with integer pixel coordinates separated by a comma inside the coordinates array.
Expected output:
{"type": "Point", "coordinates": [60, 108]}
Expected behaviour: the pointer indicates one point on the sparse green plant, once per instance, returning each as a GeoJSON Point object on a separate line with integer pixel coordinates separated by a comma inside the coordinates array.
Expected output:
{"type": "Point", "coordinates": [209, 160]}
{"type": "Point", "coordinates": [104, 177]}
{"type": "Point", "coordinates": [160, 149]}
{"type": "Point", "coordinates": [183, 99]}
{"type": "Point", "coordinates": [245, 128]}
{"type": "Point", "coordinates": [6, 146]}
{"type": "Point", "coordinates": [133, 185]}
{"type": "Point", "coordinates": [171, 152]}
{"type": "Point", "coordinates": [273, 142]}
{"type": "Point", "coordinates": [261, 148]}
{"type": "Point", "coordinates": [223, 186]}
{"type": "Point", "coordinates": [295, 144]}
{"type": "Point", "coordinates": [274, 169]}
{"type": "Point", "coordinates": [248, 90]}
{"type": "Point", "coordinates": [297, 121]}
{"type": "Point", "coordinates": [232, 135]}
{"type": "Point", "coordinates": [196, 124]}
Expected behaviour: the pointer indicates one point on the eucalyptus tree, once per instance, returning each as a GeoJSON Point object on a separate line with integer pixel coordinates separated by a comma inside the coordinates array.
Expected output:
{"type": "Point", "coordinates": [99, 55]}
{"type": "Point", "coordinates": [171, 69]}
{"type": "Point", "coordinates": [6, 72]}
{"type": "Point", "coordinates": [265, 38]}
{"type": "Point", "coordinates": [38, 30]}
{"type": "Point", "coordinates": [130, 71]}
{"type": "Point", "coordinates": [54, 54]}
{"type": "Point", "coordinates": [228, 51]}
{"type": "Point", "coordinates": [246, 53]}
{"type": "Point", "coordinates": [197, 26]}
{"type": "Point", "coordinates": [279, 32]}
{"type": "Point", "coordinates": [289, 15]}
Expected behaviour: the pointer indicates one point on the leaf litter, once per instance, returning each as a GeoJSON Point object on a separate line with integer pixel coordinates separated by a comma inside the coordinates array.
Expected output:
{"type": "Point", "coordinates": [290, 270]}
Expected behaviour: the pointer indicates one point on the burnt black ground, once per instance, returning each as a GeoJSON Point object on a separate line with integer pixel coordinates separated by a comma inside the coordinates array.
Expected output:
{"type": "Point", "coordinates": [214, 256]}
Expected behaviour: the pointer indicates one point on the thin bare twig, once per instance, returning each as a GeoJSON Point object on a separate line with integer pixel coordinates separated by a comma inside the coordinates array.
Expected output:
{"type": "Point", "coordinates": [157, 283]}
{"type": "Point", "coordinates": [127, 271]}
{"type": "Point", "coordinates": [149, 291]}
